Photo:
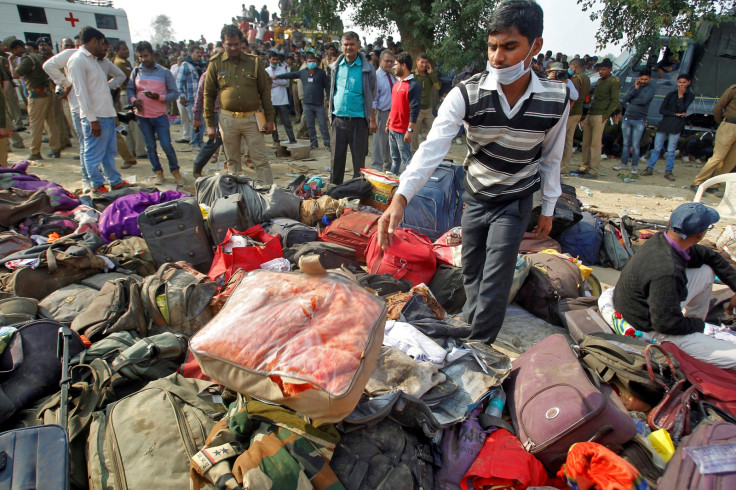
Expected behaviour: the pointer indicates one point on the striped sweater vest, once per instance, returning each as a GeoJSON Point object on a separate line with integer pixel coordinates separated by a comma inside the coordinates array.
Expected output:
{"type": "Point", "coordinates": [503, 154]}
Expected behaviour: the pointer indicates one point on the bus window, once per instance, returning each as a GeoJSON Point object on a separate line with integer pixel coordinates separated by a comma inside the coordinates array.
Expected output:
{"type": "Point", "coordinates": [32, 15]}
{"type": "Point", "coordinates": [106, 21]}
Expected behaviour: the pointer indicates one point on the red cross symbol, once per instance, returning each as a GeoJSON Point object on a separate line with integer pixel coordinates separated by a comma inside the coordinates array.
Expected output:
{"type": "Point", "coordinates": [72, 19]}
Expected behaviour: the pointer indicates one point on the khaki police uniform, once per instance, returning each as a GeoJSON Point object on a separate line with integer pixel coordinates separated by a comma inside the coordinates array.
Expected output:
{"type": "Point", "coordinates": [40, 102]}
{"type": "Point", "coordinates": [11, 101]}
{"type": "Point", "coordinates": [244, 88]}
{"type": "Point", "coordinates": [134, 139]}
{"type": "Point", "coordinates": [723, 160]}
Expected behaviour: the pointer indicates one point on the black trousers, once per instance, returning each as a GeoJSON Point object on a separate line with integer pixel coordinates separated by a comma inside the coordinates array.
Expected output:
{"type": "Point", "coordinates": [282, 111]}
{"type": "Point", "coordinates": [344, 133]}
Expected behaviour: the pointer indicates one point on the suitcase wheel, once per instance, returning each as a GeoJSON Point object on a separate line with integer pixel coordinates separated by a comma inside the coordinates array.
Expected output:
{"type": "Point", "coordinates": [158, 233]}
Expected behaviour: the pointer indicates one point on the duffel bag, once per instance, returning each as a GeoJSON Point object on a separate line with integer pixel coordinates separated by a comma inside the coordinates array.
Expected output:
{"type": "Point", "coordinates": [582, 240]}
{"type": "Point", "coordinates": [410, 257]}
{"type": "Point", "coordinates": [292, 232]}
{"type": "Point", "coordinates": [554, 404]}
{"type": "Point", "coordinates": [116, 307]}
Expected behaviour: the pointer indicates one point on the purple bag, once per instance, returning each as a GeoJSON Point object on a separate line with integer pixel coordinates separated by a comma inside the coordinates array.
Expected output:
{"type": "Point", "coordinates": [554, 404]}
{"type": "Point", "coordinates": [120, 219]}
{"type": "Point", "coordinates": [460, 445]}
{"type": "Point", "coordinates": [683, 474]}
{"type": "Point", "coordinates": [16, 177]}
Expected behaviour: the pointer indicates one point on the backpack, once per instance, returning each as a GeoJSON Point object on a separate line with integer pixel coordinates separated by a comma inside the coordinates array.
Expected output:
{"type": "Point", "coordinates": [44, 224]}
{"type": "Point", "coordinates": [619, 359]}
{"type": "Point", "coordinates": [447, 285]}
{"type": "Point", "coordinates": [116, 307]}
{"type": "Point", "coordinates": [65, 304]}
{"type": "Point", "coordinates": [383, 456]}
{"type": "Point", "coordinates": [551, 278]}
{"type": "Point", "coordinates": [567, 213]}
{"type": "Point", "coordinates": [616, 249]}
{"type": "Point", "coordinates": [411, 257]}
{"type": "Point", "coordinates": [582, 240]}
{"type": "Point", "coordinates": [130, 254]}
{"type": "Point", "coordinates": [353, 229]}
{"type": "Point", "coordinates": [177, 298]}
{"type": "Point", "coordinates": [156, 431]}
{"type": "Point", "coordinates": [357, 188]}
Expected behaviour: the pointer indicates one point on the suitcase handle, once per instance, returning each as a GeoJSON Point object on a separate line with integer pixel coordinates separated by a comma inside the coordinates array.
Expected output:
{"type": "Point", "coordinates": [164, 212]}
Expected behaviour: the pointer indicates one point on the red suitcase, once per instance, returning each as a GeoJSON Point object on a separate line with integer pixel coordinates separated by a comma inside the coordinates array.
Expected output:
{"type": "Point", "coordinates": [353, 229]}
{"type": "Point", "coordinates": [554, 404]}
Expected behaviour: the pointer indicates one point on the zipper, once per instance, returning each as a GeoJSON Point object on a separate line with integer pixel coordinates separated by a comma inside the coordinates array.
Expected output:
{"type": "Point", "coordinates": [114, 449]}
{"type": "Point", "coordinates": [183, 426]}
{"type": "Point", "coordinates": [532, 447]}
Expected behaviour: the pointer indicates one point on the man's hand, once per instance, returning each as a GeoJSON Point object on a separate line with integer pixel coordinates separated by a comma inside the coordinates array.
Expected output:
{"type": "Point", "coordinates": [732, 305]}
{"type": "Point", "coordinates": [151, 95]}
{"type": "Point", "coordinates": [211, 132]}
{"type": "Point", "coordinates": [407, 137]}
{"type": "Point", "coordinates": [196, 123]}
{"type": "Point", "coordinates": [95, 127]}
{"type": "Point", "coordinates": [373, 126]}
{"type": "Point", "coordinates": [544, 226]}
{"type": "Point", "coordinates": [4, 133]}
{"type": "Point", "coordinates": [386, 129]}
{"type": "Point", "coordinates": [390, 220]}
{"type": "Point", "coordinates": [138, 106]}
{"type": "Point", "coordinates": [270, 127]}
{"type": "Point", "coordinates": [429, 68]}
{"type": "Point", "coordinates": [182, 101]}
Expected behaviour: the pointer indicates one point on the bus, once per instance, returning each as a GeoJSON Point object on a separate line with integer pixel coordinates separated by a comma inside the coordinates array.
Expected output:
{"type": "Point", "coordinates": [28, 20]}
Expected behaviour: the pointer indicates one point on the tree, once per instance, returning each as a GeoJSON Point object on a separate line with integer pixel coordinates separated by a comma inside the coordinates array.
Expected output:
{"type": "Point", "coordinates": [161, 30]}
{"type": "Point", "coordinates": [451, 31]}
{"type": "Point", "coordinates": [639, 23]}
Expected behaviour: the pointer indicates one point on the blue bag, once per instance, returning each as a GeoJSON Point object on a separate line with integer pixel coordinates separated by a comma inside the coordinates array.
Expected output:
{"type": "Point", "coordinates": [438, 206]}
{"type": "Point", "coordinates": [582, 240]}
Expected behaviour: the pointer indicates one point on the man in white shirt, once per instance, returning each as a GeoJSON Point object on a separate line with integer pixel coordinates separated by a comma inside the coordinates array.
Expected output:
{"type": "Point", "coordinates": [90, 84]}
{"type": "Point", "coordinates": [515, 143]}
{"type": "Point", "coordinates": [279, 96]}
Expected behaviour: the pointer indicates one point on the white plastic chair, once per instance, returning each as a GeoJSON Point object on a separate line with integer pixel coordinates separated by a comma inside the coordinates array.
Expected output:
{"type": "Point", "coordinates": [727, 207]}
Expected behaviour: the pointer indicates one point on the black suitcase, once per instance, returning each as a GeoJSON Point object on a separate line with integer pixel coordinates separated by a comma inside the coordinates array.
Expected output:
{"type": "Point", "coordinates": [227, 212]}
{"type": "Point", "coordinates": [292, 232]}
{"type": "Point", "coordinates": [34, 457]}
{"type": "Point", "coordinates": [175, 231]}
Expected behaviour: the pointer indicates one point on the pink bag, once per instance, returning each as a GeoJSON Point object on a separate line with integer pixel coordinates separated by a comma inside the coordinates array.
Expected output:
{"type": "Point", "coordinates": [448, 248]}
{"type": "Point", "coordinates": [411, 257]}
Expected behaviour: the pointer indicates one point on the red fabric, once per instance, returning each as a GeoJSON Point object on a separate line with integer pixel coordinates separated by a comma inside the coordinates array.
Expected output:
{"type": "Point", "coordinates": [592, 466]}
{"type": "Point", "coordinates": [448, 248]}
{"type": "Point", "coordinates": [399, 117]}
{"type": "Point", "coordinates": [191, 369]}
{"type": "Point", "coordinates": [504, 464]}
{"type": "Point", "coordinates": [717, 385]}
{"type": "Point", "coordinates": [411, 257]}
{"type": "Point", "coordinates": [352, 229]}
{"type": "Point", "coordinates": [247, 258]}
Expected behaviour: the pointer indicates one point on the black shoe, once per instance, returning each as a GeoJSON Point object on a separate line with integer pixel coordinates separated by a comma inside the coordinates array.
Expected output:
{"type": "Point", "coordinates": [20, 129]}
{"type": "Point", "coordinates": [314, 147]}
{"type": "Point", "coordinates": [292, 142]}
{"type": "Point", "coordinates": [694, 188]}
{"type": "Point", "coordinates": [714, 191]}
{"type": "Point", "coordinates": [35, 157]}
{"type": "Point", "coordinates": [75, 157]}
{"type": "Point", "coordinates": [54, 154]}
{"type": "Point", "coordinates": [44, 140]}
{"type": "Point", "coordinates": [142, 156]}
{"type": "Point", "coordinates": [18, 145]}
{"type": "Point", "coordinates": [181, 140]}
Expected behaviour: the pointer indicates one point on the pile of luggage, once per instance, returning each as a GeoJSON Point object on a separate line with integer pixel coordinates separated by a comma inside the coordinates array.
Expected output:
{"type": "Point", "coordinates": [253, 336]}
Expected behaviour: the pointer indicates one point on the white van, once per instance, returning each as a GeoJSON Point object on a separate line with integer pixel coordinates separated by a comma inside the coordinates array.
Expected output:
{"type": "Point", "coordinates": [30, 19]}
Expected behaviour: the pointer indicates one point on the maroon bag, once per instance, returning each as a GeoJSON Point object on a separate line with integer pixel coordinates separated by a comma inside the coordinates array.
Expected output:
{"type": "Point", "coordinates": [673, 412]}
{"type": "Point", "coordinates": [682, 473]}
{"type": "Point", "coordinates": [554, 404]}
{"type": "Point", "coordinates": [353, 229]}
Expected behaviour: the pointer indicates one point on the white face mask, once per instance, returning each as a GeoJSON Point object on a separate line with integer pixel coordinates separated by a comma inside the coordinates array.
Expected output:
{"type": "Point", "coordinates": [510, 74]}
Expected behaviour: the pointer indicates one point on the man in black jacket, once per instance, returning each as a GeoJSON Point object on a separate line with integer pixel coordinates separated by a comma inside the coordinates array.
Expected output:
{"type": "Point", "coordinates": [316, 85]}
{"type": "Point", "coordinates": [673, 108]}
{"type": "Point", "coordinates": [665, 288]}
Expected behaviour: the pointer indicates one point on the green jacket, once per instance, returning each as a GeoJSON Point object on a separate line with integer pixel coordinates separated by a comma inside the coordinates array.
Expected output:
{"type": "Point", "coordinates": [605, 97]}
{"type": "Point", "coordinates": [428, 84]}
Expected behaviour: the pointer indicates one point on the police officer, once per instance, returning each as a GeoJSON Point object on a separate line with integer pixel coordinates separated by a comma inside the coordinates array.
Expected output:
{"type": "Point", "coordinates": [40, 99]}
{"type": "Point", "coordinates": [241, 82]}
{"type": "Point", "coordinates": [15, 121]}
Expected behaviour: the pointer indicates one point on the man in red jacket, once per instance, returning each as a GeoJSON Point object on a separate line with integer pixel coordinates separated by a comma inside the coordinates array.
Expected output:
{"type": "Point", "coordinates": [405, 105]}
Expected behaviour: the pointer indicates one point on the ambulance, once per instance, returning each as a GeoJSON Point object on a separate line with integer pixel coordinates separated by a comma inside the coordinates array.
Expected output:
{"type": "Point", "coordinates": [28, 20]}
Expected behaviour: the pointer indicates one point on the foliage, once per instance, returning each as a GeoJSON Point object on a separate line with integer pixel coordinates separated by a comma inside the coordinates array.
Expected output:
{"type": "Point", "coordinates": [161, 30]}
{"type": "Point", "coordinates": [451, 31]}
{"type": "Point", "coordinates": [639, 23]}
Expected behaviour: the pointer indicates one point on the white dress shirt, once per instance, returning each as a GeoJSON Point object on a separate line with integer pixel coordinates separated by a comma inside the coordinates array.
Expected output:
{"type": "Point", "coordinates": [278, 87]}
{"type": "Point", "coordinates": [53, 68]}
{"type": "Point", "coordinates": [447, 124]}
{"type": "Point", "coordinates": [89, 77]}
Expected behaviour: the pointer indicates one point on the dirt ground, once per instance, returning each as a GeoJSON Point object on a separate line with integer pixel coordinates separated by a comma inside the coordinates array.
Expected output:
{"type": "Point", "coordinates": [647, 198]}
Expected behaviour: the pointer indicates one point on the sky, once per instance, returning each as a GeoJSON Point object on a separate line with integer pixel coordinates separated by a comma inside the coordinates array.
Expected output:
{"type": "Point", "coordinates": [566, 27]}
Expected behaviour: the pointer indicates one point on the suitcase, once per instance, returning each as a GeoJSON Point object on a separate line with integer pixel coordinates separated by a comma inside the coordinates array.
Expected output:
{"type": "Point", "coordinates": [554, 404]}
{"type": "Point", "coordinates": [353, 229]}
{"type": "Point", "coordinates": [438, 206]}
{"type": "Point", "coordinates": [584, 322]}
{"type": "Point", "coordinates": [227, 212]}
{"type": "Point", "coordinates": [34, 457]}
{"type": "Point", "coordinates": [175, 231]}
{"type": "Point", "coordinates": [292, 232]}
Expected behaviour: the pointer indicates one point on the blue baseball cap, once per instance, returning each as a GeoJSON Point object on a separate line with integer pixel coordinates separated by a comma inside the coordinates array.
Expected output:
{"type": "Point", "coordinates": [692, 218]}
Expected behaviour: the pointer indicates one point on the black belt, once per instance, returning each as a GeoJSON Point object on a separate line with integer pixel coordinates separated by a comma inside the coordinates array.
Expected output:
{"type": "Point", "coordinates": [729, 120]}
{"type": "Point", "coordinates": [349, 118]}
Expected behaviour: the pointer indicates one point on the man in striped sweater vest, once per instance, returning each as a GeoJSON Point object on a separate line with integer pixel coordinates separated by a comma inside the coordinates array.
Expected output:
{"type": "Point", "coordinates": [515, 125]}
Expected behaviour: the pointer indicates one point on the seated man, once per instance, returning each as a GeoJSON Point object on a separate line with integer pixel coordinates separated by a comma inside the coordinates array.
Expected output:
{"type": "Point", "coordinates": [665, 288]}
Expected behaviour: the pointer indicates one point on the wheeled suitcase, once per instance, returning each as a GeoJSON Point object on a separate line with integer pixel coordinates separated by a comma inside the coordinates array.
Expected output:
{"type": "Point", "coordinates": [554, 404]}
{"type": "Point", "coordinates": [292, 232]}
{"type": "Point", "coordinates": [584, 322]}
{"type": "Point", "coordinates": [438, 206]}
{"type": "Point", "coordinates": [227, 212]}
{"type": "Point", "coordinates": [175, 231]}
{"type": "Point", "coordinates": [353, 229]}
{"type": "Point", "coordinates": [34, 457]}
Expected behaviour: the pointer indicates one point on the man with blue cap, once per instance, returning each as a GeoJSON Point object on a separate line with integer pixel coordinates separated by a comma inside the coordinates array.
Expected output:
{"type": "Point", "coordinates": [665, 288]}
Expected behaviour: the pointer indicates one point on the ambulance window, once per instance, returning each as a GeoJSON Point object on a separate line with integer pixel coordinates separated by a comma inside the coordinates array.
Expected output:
{"type": "Point", "coordinates": [33, 36]}
{"type": "Point", "coordinates": [105, 21]}
{"type": "Point", "coordinates": [32, 15]}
